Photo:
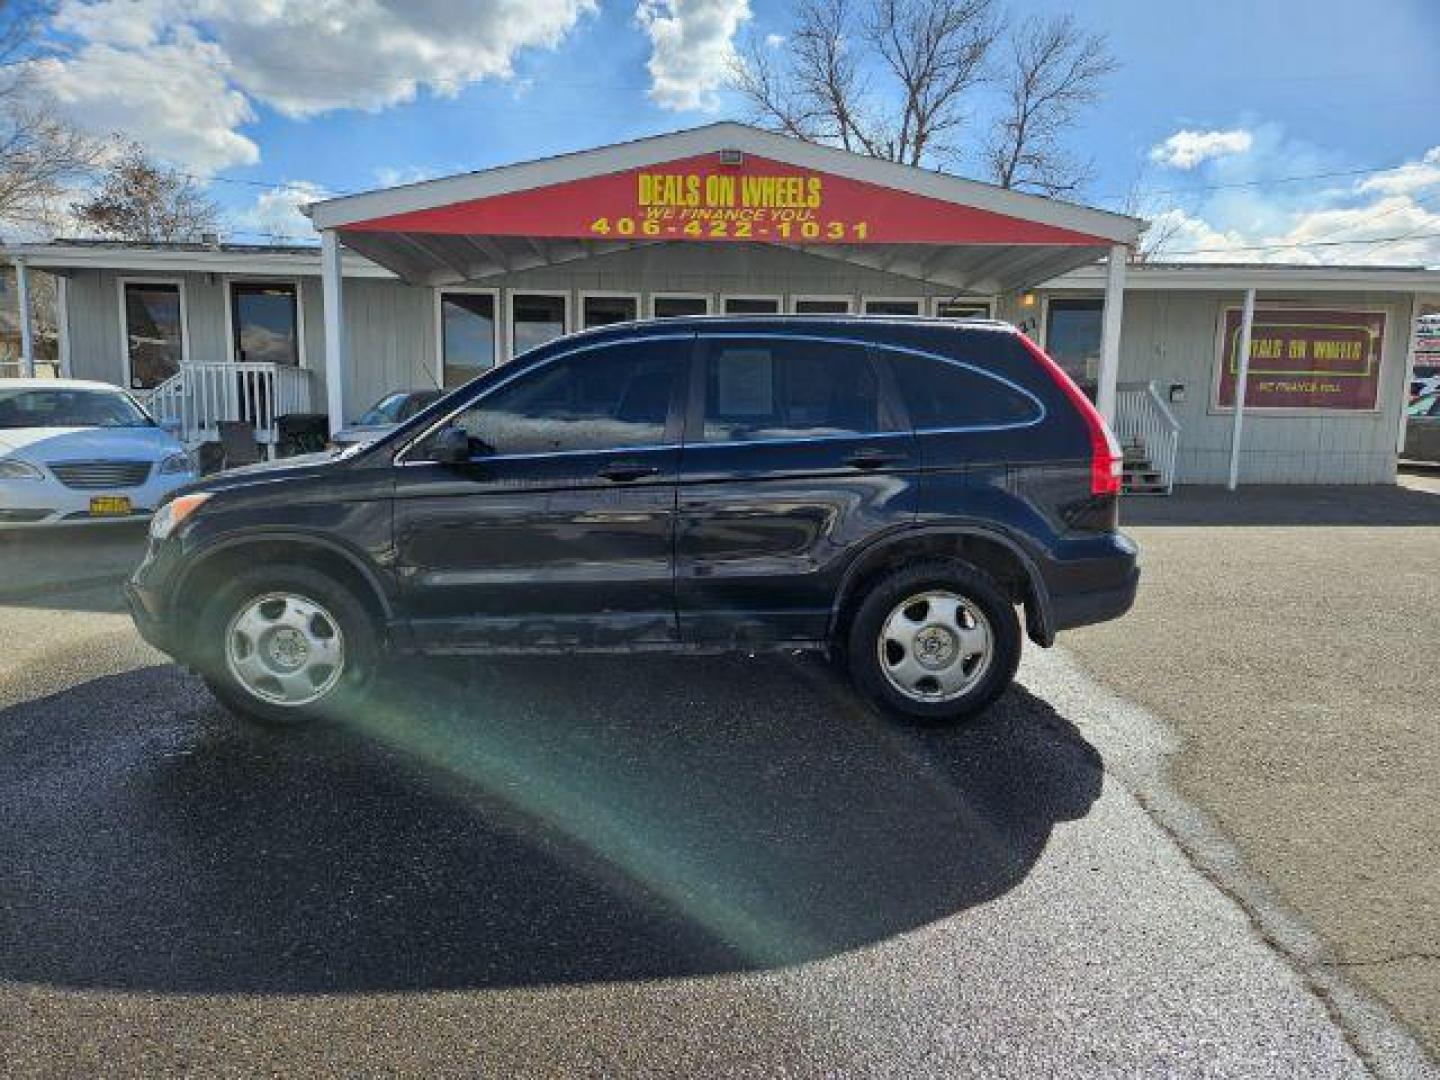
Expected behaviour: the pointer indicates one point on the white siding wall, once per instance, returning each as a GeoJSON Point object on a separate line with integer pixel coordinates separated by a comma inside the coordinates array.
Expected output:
{"type": "Point", "coordinates": [1170, 337]}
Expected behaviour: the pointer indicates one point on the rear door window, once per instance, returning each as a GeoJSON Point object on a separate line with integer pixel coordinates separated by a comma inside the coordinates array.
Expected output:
{"type": "Point", "coordinates": [762, 389]}
{"type": "Point", "coordinates": [941, 394]}
{"type": "Point", "coordinates": [606, 398]}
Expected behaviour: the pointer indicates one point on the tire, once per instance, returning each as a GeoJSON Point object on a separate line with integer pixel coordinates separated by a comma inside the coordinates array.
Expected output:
{"type": "Point", "coordinates": [266, 638]}
{"type": "Point", "coordinates": [906, 633]}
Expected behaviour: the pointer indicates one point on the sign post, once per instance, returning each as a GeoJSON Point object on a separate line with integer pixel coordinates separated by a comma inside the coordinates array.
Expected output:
{"type": "Point", "coordinates": [1247, 328]}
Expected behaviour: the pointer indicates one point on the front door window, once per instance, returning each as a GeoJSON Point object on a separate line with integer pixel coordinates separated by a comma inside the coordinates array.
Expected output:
{"type": "Point", "coordinates": [266, 323]}
{"type": "Point", "coordinates": [154, 333]}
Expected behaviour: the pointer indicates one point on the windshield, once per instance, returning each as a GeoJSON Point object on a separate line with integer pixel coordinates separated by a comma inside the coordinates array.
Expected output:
{"type": "Point", "coordinates": [388, 410]}
{"type": "Point", "coordinates": [32, 408]}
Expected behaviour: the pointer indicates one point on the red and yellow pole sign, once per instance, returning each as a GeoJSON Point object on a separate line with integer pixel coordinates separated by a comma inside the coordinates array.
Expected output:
{"type": "Point", "coordinates": [701, 198]}
{"type": "Point", "coordinates": [1304, 359]}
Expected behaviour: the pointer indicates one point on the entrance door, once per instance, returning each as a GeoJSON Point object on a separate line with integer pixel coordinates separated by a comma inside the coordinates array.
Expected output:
{"type": "Point", "coordinates": [265, 321]}
{"type": "Point", "coordinates": [559, 528]}
{"type": "Point", "coordinates": [265, 328]}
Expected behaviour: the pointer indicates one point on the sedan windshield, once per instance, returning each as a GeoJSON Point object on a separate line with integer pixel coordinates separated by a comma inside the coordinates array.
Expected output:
{"type": "Point", "coordinates": [31, 408]}
{"type": "Point", "coordinates": [385, 411]}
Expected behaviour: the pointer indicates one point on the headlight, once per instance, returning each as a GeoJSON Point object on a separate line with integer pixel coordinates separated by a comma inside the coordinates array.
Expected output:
{"type": "Point", "coordinates": [11, 469]}
{"type": "Point", "coordinates": [168, 518]}
{"type": "Point", "coordinates": [177, 463]}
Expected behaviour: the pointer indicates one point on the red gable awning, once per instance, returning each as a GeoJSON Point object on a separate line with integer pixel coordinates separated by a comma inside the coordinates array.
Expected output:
{"type": "Point", "coordinates": [700, 199]}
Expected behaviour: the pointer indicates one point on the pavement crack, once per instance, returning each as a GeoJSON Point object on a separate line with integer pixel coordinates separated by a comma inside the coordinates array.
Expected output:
{"type": "Point", "coordinates": [1398, 958]}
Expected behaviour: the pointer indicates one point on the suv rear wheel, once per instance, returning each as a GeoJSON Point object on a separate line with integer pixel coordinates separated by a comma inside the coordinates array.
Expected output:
{"type": "Point", "coordinates": [285, 644]}
{"type": "Point", "coordinates": [935, 641]}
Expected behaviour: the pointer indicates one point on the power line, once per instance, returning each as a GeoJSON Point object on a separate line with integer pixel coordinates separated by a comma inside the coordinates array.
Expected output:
{"type": "Point", "coordinates": [1373, 240]}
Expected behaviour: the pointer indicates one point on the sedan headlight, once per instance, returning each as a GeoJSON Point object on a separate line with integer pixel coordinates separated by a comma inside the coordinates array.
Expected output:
{"type": "Point", "coordinates": [177, 463]}
{"type": "Point", "coordinates": [168, 518]}
{"type": "Point", "coordinates": [13, 469]}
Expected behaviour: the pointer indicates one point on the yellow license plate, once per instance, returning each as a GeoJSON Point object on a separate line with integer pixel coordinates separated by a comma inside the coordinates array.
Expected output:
{"type": "Point", "coordinates": [109, 505]}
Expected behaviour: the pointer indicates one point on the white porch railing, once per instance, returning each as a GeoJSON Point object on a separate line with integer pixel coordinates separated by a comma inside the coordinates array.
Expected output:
{"type": "Point", "coordinates": [199, 396]}
{"type": "Point", "coordinates": [1143, 420]}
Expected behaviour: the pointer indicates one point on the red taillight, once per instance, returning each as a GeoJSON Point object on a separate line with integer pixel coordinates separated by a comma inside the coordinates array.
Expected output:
{"type": "Point", "coordinates": [1106, 460]}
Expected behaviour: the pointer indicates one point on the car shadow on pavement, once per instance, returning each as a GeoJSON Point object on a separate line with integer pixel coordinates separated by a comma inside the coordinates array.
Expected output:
{"type": "Point", "coordinates": [491, 825]}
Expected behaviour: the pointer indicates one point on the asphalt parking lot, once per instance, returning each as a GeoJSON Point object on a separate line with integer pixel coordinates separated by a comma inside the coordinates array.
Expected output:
{"type": "Point", "coordinates": [605, 865]}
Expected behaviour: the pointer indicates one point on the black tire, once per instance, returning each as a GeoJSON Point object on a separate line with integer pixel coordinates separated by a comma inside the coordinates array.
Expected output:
{"type": "Point", "coordinates": [862, 645]}
{"type": "Point", "coordinates": [361, 644]}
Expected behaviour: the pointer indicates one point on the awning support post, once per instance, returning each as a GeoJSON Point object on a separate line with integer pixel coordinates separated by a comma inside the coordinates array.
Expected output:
{"type": "Point", "coordinates": [27, 329]}
{"type": "Point", "coordinates": [1242, 379]}
{"type": "Point", "coordinates": [331, 287]}
{"type": "Point", "coordinates": [1109, 374]}
{"type": "Point", "coordinates": [1416, 308]}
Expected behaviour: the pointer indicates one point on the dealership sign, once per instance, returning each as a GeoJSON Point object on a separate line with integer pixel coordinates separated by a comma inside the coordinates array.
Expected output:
{"type": "Point", "coordinates": [703, 199]}
{"type": "Point", "coordinates": [1304, 359]}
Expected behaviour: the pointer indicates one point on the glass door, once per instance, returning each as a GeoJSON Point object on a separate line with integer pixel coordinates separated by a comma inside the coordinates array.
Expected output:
{"type": "Point", "coordinates": [265, 321]}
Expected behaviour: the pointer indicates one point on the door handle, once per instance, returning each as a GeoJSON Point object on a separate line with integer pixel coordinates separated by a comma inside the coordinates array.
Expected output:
{"type": "Point", "coordinates": [620, 471]}
{"type": "Point", "coordinates": [874, 459]}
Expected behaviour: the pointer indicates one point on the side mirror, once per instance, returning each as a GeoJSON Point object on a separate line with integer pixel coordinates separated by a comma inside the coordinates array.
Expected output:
{"type": "Point", "coordinates": [449, 446]}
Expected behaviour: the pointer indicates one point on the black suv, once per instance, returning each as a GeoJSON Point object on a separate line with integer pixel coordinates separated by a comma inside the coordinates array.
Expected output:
{"type": "Point", "coordinates": [891, 490]}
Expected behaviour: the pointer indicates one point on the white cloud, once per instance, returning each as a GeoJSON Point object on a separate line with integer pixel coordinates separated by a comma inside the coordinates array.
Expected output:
{"type": "Point", "coordinates": [1377, 220]}
{"type": "Point", "coordinates": [180, 76]}
{"type": "Point", "coordinates": [1409, 178]}
{"type": "Point", "coordinates": [276, 213]}
{"type": "Point", "coordinates": [310, 56]}
{"type": "Point", "coordinates": [1187, 149]}
{"type": "Point", "coordinates": [395, 175]}
{"type": "Point", "coordinates": [774, 40]}
{"type": "Point", "coordinates": [171, 98]}
{"type": "Point", "coordinates": [692, 46]}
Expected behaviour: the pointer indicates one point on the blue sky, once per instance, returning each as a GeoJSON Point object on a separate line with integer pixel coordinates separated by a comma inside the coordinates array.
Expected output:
{"type": "Point", "coordinates": [279, 101]}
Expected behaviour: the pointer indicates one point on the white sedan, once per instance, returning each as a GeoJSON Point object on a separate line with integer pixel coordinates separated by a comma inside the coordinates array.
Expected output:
{"type": "Point", "coordinates": [73, 451]}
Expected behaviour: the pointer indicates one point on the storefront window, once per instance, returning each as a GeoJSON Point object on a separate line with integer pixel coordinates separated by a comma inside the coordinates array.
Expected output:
{"type": "Point", "coordinates": [962, 309]}
{"type": "Point", "coordinates": [606, 310]}
{"type": "Point", "coordinates": [676, 307]}
{"type": "Point", "coordinates": [1072, 337]}
{"type": "Point", "coordinates": [265, 320]}
{"type": "Point", "coordinates": [892, 307]}
{"type": "Point", "coordinates": [820, 305]}
{"type": "Point", "coordinates": [535, 318]}
{"type": "Point", "coordinates": [752, 305]}
{"type": "Point", "coordinates": [467, 335]}
{"type": "Point", "coordinates": [154, 338]}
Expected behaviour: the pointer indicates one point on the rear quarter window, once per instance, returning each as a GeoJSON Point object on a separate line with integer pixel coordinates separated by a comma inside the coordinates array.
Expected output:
{"type": "Point", "coordinates": [941, 394]}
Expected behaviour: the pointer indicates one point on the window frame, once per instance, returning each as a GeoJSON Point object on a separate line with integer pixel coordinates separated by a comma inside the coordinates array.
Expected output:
{"type": "Point", "coordinates": [708, 298]}
{"type": "Point", "coordinates": [1050, 298]}
{"type": "Point", "coordinates": [612, 294]}
{"type": "Point", "coordinates": [122, 283]}
{"type": "Point", "coordinates": [566, 322]}
{"type": "Point", "coordinates": [674, 419]}
{"type": "Point", "coordinates": [439, 316]}
{"type": "Point", "coordinates": [779, 299]}
{"type": "Point", "coordinates": [987, 302]}
{"type": "Point", "coordinates": [796, 299]}
{"type": "Point", "coordinates": [232, 280]}
{"type": "Point", "coordinates": [918, 301]}
{"type": "Point", "coordinates": [890, 406]}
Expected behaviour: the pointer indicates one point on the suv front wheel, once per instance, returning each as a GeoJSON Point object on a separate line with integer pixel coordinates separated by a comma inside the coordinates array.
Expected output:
{"type": "Point", "coordinates": [938, 640]}
{"type": "Point", "coordinates": [285, 644]}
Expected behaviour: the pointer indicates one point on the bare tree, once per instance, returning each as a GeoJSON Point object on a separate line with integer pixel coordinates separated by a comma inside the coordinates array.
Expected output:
{"type": "Point", "coordinates": [895, 79]}
{"type": "Point", "coordinates": [138, 199]}
{"type": "Point", "coordinates": [926, 53]}
{"type": "Point", "coordinates": [1056, 70]}
{"type": "Point", "coordinates": [40, 154]}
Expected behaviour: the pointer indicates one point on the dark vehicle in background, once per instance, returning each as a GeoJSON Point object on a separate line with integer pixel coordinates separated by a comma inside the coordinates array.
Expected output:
{"type": "Point", "coordinates": [392, 409]}
{"type": "Point", "coordinates": [1422, 428]}
{"type": "Point", "coordinates": [890, 490]}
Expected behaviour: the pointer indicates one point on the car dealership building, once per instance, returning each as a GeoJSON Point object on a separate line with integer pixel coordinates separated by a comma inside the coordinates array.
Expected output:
{"type": "Point", "coordinates": [428, 284]}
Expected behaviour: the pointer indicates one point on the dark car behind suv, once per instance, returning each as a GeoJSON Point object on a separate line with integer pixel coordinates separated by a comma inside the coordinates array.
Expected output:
{"type": "Point", "coordinates": [890, 490]}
